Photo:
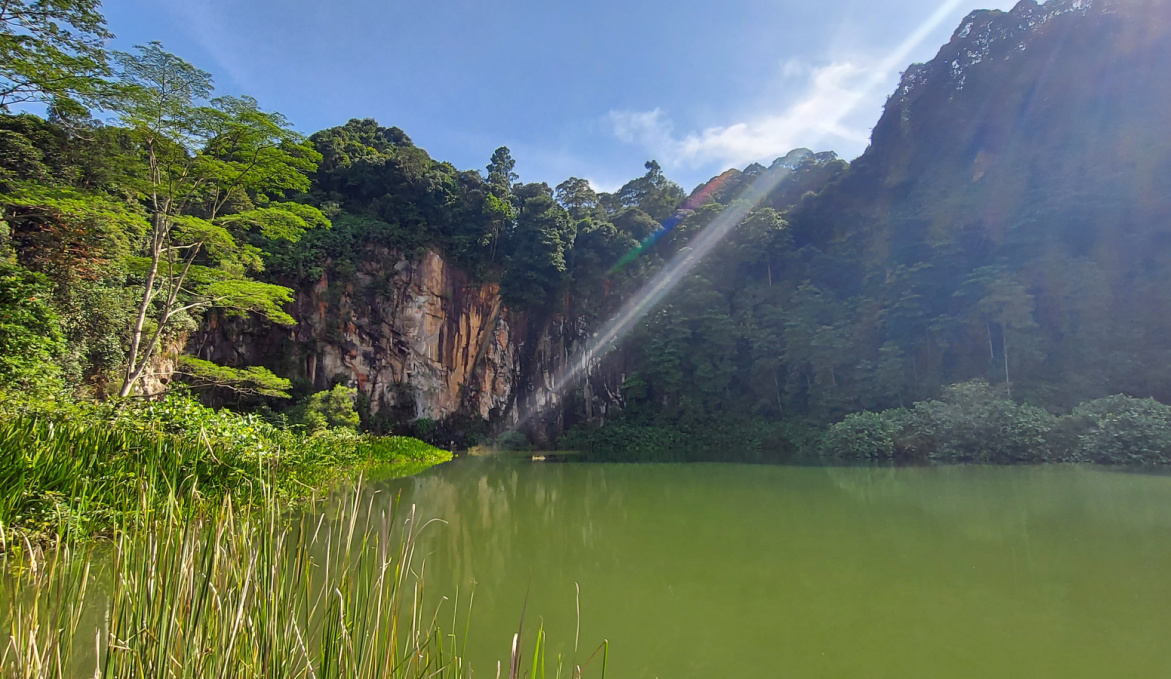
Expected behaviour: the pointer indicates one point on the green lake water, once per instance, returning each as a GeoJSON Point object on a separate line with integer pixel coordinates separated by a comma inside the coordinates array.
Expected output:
{"type": "Point", "coordinates": [757, 571]}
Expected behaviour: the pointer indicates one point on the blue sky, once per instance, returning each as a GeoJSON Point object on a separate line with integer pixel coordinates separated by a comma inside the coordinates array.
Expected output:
{"type": "Point", "coordinates": [587, 89]}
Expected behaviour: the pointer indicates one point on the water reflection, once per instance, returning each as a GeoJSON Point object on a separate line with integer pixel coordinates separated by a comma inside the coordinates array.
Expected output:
{"type": "Point", "coordinates": [710, 570]}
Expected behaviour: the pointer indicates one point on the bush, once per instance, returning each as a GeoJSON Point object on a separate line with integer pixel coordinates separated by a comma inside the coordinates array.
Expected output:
{"type": "Point", "coordinates": [620, 441]}
{"type": "Point", "coordinates": [1122, 430]}
{"type": "Point", "coordinates": [973, 423]}
{"type": "Point", "coordinates": [30, 334]}
{"type": "Point", "coordinates": [865, 436]}
{"type": "Point", "coordinates": [512, 441]}
{"type": "Point", "coordinates": [329, 408]}
{"type": "Point", "coordinates": [84, 465]}
{"type": "Point", "coordinates": [423, 428]}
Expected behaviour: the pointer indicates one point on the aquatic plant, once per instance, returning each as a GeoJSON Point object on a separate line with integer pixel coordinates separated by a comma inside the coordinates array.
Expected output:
{"type": "Point", "coordinates": [335, 591]}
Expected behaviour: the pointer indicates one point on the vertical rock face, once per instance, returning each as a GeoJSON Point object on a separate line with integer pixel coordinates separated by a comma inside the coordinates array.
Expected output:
{"type": "Point", "coordinates": [418, 339]}
{"type": "Point", "coordinates": [409, 337]}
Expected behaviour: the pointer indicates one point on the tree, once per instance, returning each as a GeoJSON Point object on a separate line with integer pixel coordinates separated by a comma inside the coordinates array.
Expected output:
{"type": "Point", "coordinates": [212, 173]}
{"type": "Point", "coordinates": [500, 169]}
{"type": "Point", "coordinates": [51, 49]}
{"type": "Point", "coordinates": [1005, 304]}
{"type": "Point", "coordinates": [652, 193]}
{"type": "Point", "coordinates": [578, 197]}
{"type": "Point", "coordinates": [537, 266]}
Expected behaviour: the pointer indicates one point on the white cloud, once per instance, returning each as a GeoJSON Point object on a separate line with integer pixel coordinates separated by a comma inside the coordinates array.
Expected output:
{"type": "Point", "coordinates": [817, 116]}
{"type": "Point", "coordinates": [822, 116]}
{"type": "Point", "coordinates": [794, 68]}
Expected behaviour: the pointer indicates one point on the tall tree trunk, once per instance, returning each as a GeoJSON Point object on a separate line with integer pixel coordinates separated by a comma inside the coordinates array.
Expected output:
{"type": "Point", "coordinates": [1004, 341]}
{"type": "Point", "coordinates": [133, 371]}
{"type": "Point", "coordinates": [169, 310]}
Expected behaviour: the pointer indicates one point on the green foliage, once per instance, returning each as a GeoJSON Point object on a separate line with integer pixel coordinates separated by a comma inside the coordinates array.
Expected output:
{"type": "Point", "coordinates": [238, 296]}
{"type": "Point", "coordinates": [1122, 430]}
{"type": "Point", "coordinates": [652, 193]}
{"type": "Point", "coordinates": [423, 428]}
{"type": "Point", "coordinates": [83, 466]}
{"type": "Point", "coordinates": [79, 477]}
{"type": "Point", "coordinates": [253, 380]}
{"type": "Point", "coordinates": [215, 168]}
{"type": "Point", "coordinates": [51, 48]}
{"type": "Point", "coordinates": [331, 408]}
{"type": "Point", "coordinates": [864, 436]}
{"type": "Point", "coordinates": [71, 232]}
{"type": "Point", "coordinates": [500, 168]}
{"type": "Point", "coordinates": [512, 441]}
{"type": "Point", "coordinates": [30, 333]}
{"type": "Point", "coordinates": [756, 441]}
{"type": "Point", "coordinates": [578, 198]}
{"type": "Point", "coordinates": [537, 249]}
{"type": "Point", "coordinates": [626, 442]}
{"type": "Point", "coordinates": [95, 316]}
{"type": "Point", "coordinates": [972, 423]}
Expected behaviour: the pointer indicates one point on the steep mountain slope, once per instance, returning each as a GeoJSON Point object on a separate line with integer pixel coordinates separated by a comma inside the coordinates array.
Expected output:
{"type": "Point", "coordinates": [1018, 189]}
{"type": "Point", "coordinates": [1010, 222]}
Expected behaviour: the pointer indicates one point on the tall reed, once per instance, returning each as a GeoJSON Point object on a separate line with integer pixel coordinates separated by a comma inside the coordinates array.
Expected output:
{"type": "Point", "coordinates": [68, 478]}
{"type": "Point", "coordinates": [334, 591]}
{"type": "Point", "coordinates": [235, 594]}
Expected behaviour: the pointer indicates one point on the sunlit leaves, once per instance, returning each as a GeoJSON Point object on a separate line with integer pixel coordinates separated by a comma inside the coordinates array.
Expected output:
{"type": "Point", "coordinates": [214, 169]}
{"type": "Point", "coordinates": [240, 295]}
{"type": "Point", "coordinates": [51, 48]}
{"type": "Point", "coordinates": [279, 221]}
{"type": "Point", "coordinates": [253, 380]}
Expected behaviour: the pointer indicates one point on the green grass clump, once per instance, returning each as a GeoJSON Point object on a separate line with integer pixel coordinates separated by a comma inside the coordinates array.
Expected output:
{"type": "Point", "coordinates": [78, 470]}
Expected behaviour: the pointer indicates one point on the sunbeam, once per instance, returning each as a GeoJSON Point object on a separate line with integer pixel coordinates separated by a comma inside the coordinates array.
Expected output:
{"type": "Point", "coordinates": [707, 239]}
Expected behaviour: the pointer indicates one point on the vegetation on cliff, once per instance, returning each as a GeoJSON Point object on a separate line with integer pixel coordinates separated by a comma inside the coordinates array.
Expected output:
{"type": "Point", "coordinates": [1009, 223]}
{"type": "Point", "coordinates": [970, 242]}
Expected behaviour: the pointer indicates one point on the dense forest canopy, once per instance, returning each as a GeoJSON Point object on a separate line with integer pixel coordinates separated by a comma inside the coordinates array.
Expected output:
{"type": "Point", "coordinates": [1008, 224]}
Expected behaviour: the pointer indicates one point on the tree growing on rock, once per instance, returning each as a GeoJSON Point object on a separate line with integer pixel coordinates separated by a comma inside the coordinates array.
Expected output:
{"type": "Point", "coordinates": [217, 173]}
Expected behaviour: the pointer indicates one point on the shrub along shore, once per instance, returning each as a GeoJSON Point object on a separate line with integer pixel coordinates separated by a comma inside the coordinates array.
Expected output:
{"type": "Point", "coordinates": [74, 470]}
{"type": "Point", "coordinates": [971, 422]}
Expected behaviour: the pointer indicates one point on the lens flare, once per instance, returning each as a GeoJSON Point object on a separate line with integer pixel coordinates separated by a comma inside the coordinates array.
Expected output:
{"type": "Point", "coordinates": [693, 202]}
{"type": "Point", "coordinates": [706, 240]}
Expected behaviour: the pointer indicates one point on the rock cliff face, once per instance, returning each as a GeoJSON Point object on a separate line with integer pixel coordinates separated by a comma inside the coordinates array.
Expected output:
{"type": "Point", "coordinates": [420, 340]}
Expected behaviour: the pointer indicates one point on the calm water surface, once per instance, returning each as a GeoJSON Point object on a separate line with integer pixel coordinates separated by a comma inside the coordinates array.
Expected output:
{"type": "Point", "coordinates": [749, 571]}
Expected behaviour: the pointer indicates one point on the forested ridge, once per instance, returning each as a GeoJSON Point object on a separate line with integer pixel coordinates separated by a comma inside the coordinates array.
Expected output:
{"type": "Point", "coordinates": [1000, 254]}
